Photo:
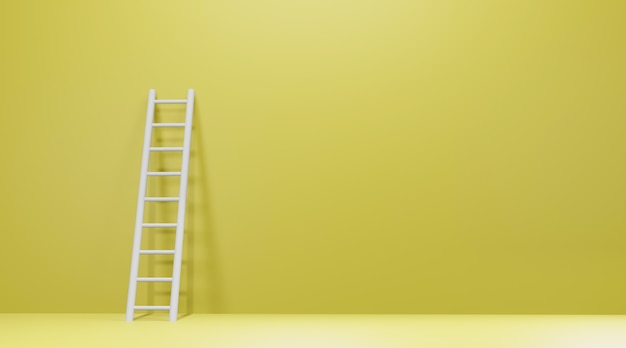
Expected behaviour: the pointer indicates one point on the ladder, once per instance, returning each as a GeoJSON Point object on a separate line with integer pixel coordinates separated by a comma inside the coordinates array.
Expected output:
{"type": "Point", "coordinates": [179, 225]}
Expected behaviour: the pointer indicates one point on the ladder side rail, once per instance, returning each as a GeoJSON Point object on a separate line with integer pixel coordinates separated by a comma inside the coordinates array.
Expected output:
{"type": "Point", "coordinates": [180, 229]}
{"type": "Point", "coordinates": [134, 268]}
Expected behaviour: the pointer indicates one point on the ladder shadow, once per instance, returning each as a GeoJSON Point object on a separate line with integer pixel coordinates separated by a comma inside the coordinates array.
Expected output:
{"type": "Point", "coordinates": [202, 232]}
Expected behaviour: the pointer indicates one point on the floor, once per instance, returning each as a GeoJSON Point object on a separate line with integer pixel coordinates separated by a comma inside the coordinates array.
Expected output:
{"type": "Point", "coordinates": [307, 331]}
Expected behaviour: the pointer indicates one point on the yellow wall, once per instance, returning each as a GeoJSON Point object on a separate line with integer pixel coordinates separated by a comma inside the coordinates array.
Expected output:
{"type": "Point", "coordinates": [349, 156]}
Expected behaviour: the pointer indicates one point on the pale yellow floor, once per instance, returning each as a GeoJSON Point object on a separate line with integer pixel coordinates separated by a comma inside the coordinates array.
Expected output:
{"type": "Point", "coordinates": [328, 331]}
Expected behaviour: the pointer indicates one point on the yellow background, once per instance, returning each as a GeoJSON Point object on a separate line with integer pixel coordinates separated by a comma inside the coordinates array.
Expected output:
{"type": "Point", "coordinates": [348, 156]}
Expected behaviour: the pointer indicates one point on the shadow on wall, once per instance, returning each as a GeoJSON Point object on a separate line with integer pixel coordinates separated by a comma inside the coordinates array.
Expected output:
{"type": "Point", "coordinates": [200, 256]}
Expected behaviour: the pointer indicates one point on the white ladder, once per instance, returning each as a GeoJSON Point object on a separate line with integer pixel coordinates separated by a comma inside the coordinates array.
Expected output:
{"type": "Point", "coordinates": [179, 225]}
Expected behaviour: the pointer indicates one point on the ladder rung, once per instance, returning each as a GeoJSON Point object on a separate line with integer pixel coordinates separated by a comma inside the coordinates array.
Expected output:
{"type": "Point", "coordinates": [170, 101]}
{"type": "Point", "coordinates": [161, 199]}
{"type": "Point", "coordinates": [163, 173]}
{"type": "Point", "coordinates": [152, 308]}
{"type": "Point", "coordinates": [157, 225]}
{"type": "Point", "coordinates": [166, 149]}
{"type": "Point", "coordinates": [168, 125]}
{"type": "Point", "coordinates": [154, 279]}
{"type": "Point", "coordinates": [157, 252]}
